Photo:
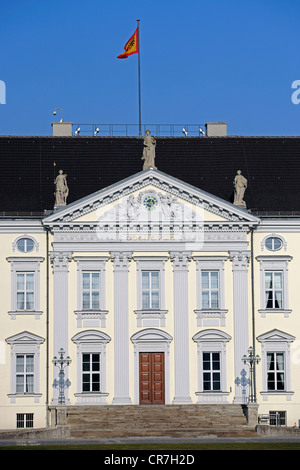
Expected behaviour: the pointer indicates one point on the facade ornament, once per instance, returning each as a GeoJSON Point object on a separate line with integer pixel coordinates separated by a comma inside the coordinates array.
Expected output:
{"type": "Point", "coordinates": [61, 189]}
{"type": "Point", "coordinates": [149, 152]}
{"type": "Point", "coordinates": [240, 186]}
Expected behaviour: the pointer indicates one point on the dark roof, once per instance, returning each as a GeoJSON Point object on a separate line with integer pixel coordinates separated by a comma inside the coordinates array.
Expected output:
{"type": "Point", "coordinates": [271, 165]}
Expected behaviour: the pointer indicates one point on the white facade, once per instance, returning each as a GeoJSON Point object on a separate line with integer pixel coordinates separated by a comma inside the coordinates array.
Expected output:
{"type": "Point", "coordinates": [155, 290]}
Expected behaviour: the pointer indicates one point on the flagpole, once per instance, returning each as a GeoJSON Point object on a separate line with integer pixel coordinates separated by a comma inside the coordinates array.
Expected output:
{"type": "Point", "coordinates": [139, 79]}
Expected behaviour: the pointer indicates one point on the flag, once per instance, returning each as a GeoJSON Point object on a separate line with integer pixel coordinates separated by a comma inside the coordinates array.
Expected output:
{"type": "Point", "coordinates": [131, 46]}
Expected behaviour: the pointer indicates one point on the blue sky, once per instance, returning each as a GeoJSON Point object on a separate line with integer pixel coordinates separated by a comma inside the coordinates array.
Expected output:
{"type": "Point", "coordinates": [201, 61]}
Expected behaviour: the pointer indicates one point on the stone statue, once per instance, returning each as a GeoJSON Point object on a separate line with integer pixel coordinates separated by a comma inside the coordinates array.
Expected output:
{"type": "Point", "coordinates": [62, 190]}
{"type": "Point", "coordinates": [240, 185]}
{"type": "Point", "coordinates": [149, 152]}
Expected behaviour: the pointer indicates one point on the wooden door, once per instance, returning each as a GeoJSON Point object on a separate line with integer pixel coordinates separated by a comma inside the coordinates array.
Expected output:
{"type": "Point", "coordinates": [152, 379]}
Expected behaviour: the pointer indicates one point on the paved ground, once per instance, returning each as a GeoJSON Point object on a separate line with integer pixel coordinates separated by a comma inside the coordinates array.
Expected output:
{"type": "Point", "coordinates": [150, 440]}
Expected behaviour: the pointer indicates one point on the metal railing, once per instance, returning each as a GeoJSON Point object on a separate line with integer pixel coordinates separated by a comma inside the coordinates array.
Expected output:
{"type": "Point", "coordinates": [132, 130]}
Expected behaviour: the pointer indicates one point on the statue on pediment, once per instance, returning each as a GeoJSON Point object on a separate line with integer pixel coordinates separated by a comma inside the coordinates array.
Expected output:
{"type": "Point", "coordinates": [149, 152]}
{"type": "Point", "coordinates": [61, 189]}
{"type": "Point", "coordinates": [240, 186]}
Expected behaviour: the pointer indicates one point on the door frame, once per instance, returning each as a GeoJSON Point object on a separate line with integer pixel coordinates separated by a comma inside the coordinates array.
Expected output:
{"type": "Point", "coordinates": [151, 340]}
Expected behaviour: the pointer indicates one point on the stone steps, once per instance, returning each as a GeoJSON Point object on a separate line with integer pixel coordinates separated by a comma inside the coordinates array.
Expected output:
{"type": "Point", "coordinates": [157, 421]}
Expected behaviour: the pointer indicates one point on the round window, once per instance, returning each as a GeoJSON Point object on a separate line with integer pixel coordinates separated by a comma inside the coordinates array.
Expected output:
{"type": "Point", "coordinates": [273, 243]}
{"type": "Point", "coordinates": [25, 245]}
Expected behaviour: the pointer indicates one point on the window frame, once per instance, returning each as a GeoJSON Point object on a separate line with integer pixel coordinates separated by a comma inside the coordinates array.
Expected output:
{"type": "Point", "coordinates": [96, 316]}
{"type": "Point", "coordinates": [27, 419]}
{"type": "Point", "coordinates": [276, 341]}
{"type": "Point", "coordinates": [211, 371]}
{"type": "Point", "coordinates": [150, 316]}
{"type": "Point", "coordinates": [210, 316]}
{"type": "Point", "coordinates": [276, 371]}
{"type": "Point", "coordinates": [91, 342]}
{"type": "Point", "coordinates": [91, 372]}
{"type": "Point", "coordinates": [279, 263]}
{"type": "Point", "coordinates": [29, 265]}
{"type": "Point", "coordinates": [25, 344]}
{"type": "Point", "coordinates": [25, 237]}
{"type": "Point", "coordinates": [212, 341]}
{"type": "Point", "coordinates": [274, 290]}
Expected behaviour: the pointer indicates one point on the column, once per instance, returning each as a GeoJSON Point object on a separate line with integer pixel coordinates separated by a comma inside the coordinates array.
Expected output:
{"type": "Point", "coordinates": [181, 326]}
{"type": "Point", "coordinates": [240, 262]}
{"type": "Point", "coordinates": [60, 262]}
{"type": "Point", "coordinates": [121, 327]}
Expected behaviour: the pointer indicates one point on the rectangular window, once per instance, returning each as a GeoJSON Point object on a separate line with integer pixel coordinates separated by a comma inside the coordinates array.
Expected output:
{"type": "Point", "coordinates": [25, 291]}
{"type": "Point", "coordinates": [150, 289]}
{"type": "Point", "coordinates": [211, 371]}
{"type": "Point", "coordinates": [91, 372]}
{"type": "Point", "coordinates": [275, 371]}
{"type": "Point", "coordinates": [24, 373]}
{"type": "Point", "coordinates": [24, 420]}
{"type": "Point", "coordinates": [273, 289]}
{"type": "Point", "coordinates": [277, 418]}
{"type": "Point", "coordinates": [210, 289]}
{"type": "Point", "coordinates": [90, 291]}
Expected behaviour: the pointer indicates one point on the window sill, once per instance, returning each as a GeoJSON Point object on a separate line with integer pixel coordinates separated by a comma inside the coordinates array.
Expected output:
{"type": "Point", "coordinates": [267, 311]}
{"type": "Point", "coordinates": [14, 396]}
{"type": "Point", "coordinates": [14, 313]}
{"type": "Point", "coordinates": [211, 317]}
{"type": "Point", "coordinates": [91, 318]}
{"type": "Point", "coordinates": [212, 396]}
{"type": "Point", "coordinates": [287, 394]}
{"type": "Point", "coordinates": [151, 317]}
{"type": "Point", "coordinates": [90, 398]}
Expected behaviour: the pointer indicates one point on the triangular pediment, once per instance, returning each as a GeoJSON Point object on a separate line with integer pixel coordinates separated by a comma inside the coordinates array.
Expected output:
{"type": "Point", "coordinates": [276, 336]}
{"type": "Point", "coordinates": [150, 195]}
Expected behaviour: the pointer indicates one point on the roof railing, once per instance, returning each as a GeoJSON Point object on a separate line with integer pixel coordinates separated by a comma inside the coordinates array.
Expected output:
{"type": "Point", "coordinates": [132, 130]}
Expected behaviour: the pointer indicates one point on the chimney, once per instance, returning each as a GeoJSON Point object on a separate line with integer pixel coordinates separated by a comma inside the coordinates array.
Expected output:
{"type": "Point", "coordinates": [62, 129]}
{"type": "Point", "coordinates": [216, 129]}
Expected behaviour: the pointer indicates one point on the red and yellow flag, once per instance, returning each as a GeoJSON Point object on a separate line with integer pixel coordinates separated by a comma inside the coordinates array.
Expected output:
{"type": "Point", "coordinates": [131, 46]}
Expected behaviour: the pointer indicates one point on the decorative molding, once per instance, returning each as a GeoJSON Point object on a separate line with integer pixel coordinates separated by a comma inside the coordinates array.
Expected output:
{"type": "Point", "coordinates": [276, 341]}
{"type": "Point", "coordinates": [25, 343]}
{"type": "Point", "coordinates": [209, 341]}
{"type": "Point", "coordinates": [180, 260]}
{"type": "Point", "coordinates": [60, 260]}
{"type": "Point", "coordinates": [91, 341]}
{"type": "Point", "coordinates": [240, 260]}
{"type": "Point", "coordinates": [151, 340]}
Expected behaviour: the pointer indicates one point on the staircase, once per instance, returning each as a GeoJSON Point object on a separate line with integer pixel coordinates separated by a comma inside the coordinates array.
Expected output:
{"type": "Point", "coordinates": [177, 421]}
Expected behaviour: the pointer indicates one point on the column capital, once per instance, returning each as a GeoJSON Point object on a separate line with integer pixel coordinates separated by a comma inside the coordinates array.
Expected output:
{"type": "Point", "coordinates": [180, 260]}
{"type": "Point", "coordinates": [60, 259]}
{"type": "Point", "coordinates": [121, 259]}
{"type": "Point", "coordinates": [240, 259]}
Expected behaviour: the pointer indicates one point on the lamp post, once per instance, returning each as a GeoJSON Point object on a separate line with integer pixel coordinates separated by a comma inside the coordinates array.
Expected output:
{"type": "Point", "coordinates": [62, 363]}
{"type": "Point", "coordinates": [252, 360]}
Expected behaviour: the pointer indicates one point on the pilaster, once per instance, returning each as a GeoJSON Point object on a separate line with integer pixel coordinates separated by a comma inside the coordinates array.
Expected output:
{"type": "Point", "coordinates": [181, 326]}
{"type": "Point", "coordinates": [240, 263]}
{"type": "Point", "coordinates": [121, 327]}
{"type": "Point", "coordinates": [60, 263]}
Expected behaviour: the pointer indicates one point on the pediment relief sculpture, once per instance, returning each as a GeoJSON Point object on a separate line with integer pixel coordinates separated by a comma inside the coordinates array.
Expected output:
{"type": "Point", "coordinates": [151, 216]}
